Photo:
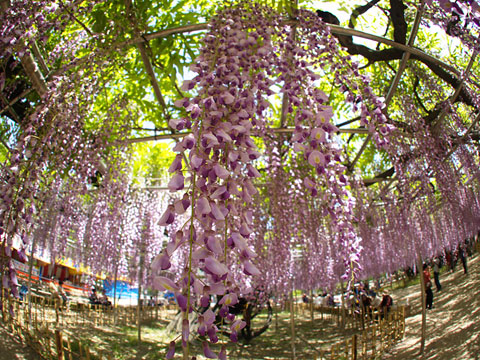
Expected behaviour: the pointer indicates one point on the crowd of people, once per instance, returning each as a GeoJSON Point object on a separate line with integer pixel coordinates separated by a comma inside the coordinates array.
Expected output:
{"type": "Point", "coordinates": [362, 299]}
{"type": "Point", "coordinates": [95, 299]}
{"type": "Point", "coordinates": [448, 259]}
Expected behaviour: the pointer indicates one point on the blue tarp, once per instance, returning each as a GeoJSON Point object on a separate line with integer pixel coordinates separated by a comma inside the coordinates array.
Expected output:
{"type": "Point", "coordinates": [124, 290]}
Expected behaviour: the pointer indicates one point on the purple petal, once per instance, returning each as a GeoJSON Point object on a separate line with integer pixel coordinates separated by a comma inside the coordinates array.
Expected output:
{"type": "Point", "coordinates": [176, 164]}
{"type": "Point", "coordinates": [179, 206]}
{"type": "Point", "coordinates": [162, 283]}
{"type": "Point", "coordinates": [210, 140]}
{"type": "Point", "coordinates": [309, 184]}
{"type": "Point", "coordinates": [298, 147]}
{"type": "Point", "coordinates": [239, 241]}
{"type": "Point", "coordinates": [221, 133]}
{"type": "Point", "coordinates": [318, 134]}
{"type": "Point", "coordinates": [229, 299]}
{"type": "Point", "coordinates": [219, 192]}
{"type": "Point", "coordinates": [250, 269]}
{"type": "Point", "coordinates": [182, 102]}
{"type": "Point", "coordinates": [171, 350]}
{"type": "Point", "coordinates": [177, 124]}
{"type": "Point", "coordinates": [248, 253]}
{"type": "Point", "coordinates": [221, 172]}
{"type": "Point", "coordinates": [215, 267]}
{"type": "Point", "coordinates": [202, 330]}
{"type": "Point", "coordinates": [212, 334]}
{"type": "Point", "coordinates": [161, 262]}
{"type": "Point", "coordinates": [247, 184]}
{"type": "Point", "coordinates": [209, 317]}
{"type": "Point", "coordinates": [214, 245]}
{"type": "Point", "coordinates": [222, 355]}
{"type": "Point", "coordinates": [316, 158]}
{"type": "Point", "coordinates": [223, 311]}
{"type": "Point", "coordinates": [201, 254]}
{"type": "Point", "coordinates": [181, 301]}
{"type": "Point", "coordinates": [252, 172]}
{"type": "Point", "coordinates": [188, 85]}
{"type": "Point", "coordinates": [238, 325]}
{"type": "Point", "coordinates": [208, 352]}
{"type": "Point", "coordinates": [168, 217]}
{"type": "Point", "coordinates": [243, 114]}
{"type": "Point", "coordinates": [217, 214]}
{"type": "Point", "coordinates": [245, 230]}
{"type": "Point", "coordinates": [227, 98]}
{"type": "Point", "coordinates": [217, 289]}
{"type": "Point", "coordinates": [176, 182]}
{"type": "Point", "coordinates": [205, 301]}
{"type": "Point", "coordinates": [202, 207]}
{"type": "Point", "coordinates": [185, 332]}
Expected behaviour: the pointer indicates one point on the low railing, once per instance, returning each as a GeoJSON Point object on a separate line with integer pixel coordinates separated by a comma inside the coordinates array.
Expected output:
{"type": "Point", "coordinates": [40, 331]}
{"type": "Point", "coordinates": [378, 335]}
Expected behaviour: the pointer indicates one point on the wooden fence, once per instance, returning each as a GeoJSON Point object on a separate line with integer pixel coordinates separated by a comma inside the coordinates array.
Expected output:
{"type": "Point", "coordinates": [375, 336]}
{"type": "Point", "coordinates": [41, 332]}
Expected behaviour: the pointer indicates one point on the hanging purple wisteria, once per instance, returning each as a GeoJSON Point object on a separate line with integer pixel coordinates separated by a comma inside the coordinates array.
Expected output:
{"type": "Point", "coordinates": [247, 52]}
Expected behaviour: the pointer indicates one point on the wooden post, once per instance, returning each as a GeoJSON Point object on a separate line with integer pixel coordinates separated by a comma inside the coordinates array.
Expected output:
{"type": "Point", "coordinates": [374, 340]}
{"type": "Point", "coordinates": [29, 292]}
{"type": "Point", "coordinates": [292, 324]}
{"type": "Point", "coordinates": [140, 280]}
{"type": "Point", "coordinates": [59, 343]}
{"type": "Point", "coordinates": [354, 347]}
{"type": "Point", "coordinates": [115, 296]}
{"type": "Point", "coordinates": [424, 305]}
{"type": "Point", "coordinates": [276, 318]}
{"type": "Point", "coordinates": [311, 306]}
{"type": "Point", "coordinates": [69, 349]}
{"type": "Point", "coordinates": [343, 307]}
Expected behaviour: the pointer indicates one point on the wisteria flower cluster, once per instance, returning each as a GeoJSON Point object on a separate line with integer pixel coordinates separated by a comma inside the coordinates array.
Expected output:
{"type": "Point", "coordinates": [246, 53]}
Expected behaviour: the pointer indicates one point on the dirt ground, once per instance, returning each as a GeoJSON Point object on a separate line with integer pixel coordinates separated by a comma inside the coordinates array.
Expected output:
{"type": "Point", "coordinates": [453, 325]}
{"type": "Point", "coordinates": [453, 330]}
{"type": "Point", "coordinates": [12, 349]}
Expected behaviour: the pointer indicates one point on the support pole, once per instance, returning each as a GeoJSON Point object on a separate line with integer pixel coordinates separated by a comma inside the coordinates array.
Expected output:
{"type": "Point", "coordinates": [140, 279]}
{"type": "Point", "coordinates": [424, 305]}
{"type": "Point", "coordinates": [59, 343]}
{"type": "Point", "coordinates": [115, 295]}
{"type": "Point", "coordinates": [311, 306]}
{"type": "Point", "coordinates": [292, 324]}
{"type": "Point", "coordinates": [29, 292]}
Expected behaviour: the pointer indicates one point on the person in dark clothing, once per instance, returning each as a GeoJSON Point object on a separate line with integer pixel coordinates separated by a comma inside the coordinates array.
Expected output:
{"type": "Point", "coordinates": [436, 273]}
{"type": "Point", "coordinates": [428, 286]}
{"type": "Point", "coordinates": [463, 259]}
{"type": "Point", "coordinates": [93, 297]}
{"type": "Point", "coordinates": [386, 304]}
{"type": "Point", "coordinates": [305, 299]}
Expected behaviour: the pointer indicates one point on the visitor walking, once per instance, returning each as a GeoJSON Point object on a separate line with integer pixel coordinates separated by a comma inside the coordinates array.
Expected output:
{"type": "Point", "coordinates": [436, 273]}
{"type": "Point", "coordinates": [428, 286]}
{"type": "Point", "coordinates": [386, 304]}
{"type": "Point", "coordinates": [463, 258]}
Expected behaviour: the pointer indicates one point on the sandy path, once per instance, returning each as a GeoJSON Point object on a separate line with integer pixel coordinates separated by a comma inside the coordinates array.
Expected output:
{"type": "Point", "coordinates": [453, 326]}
